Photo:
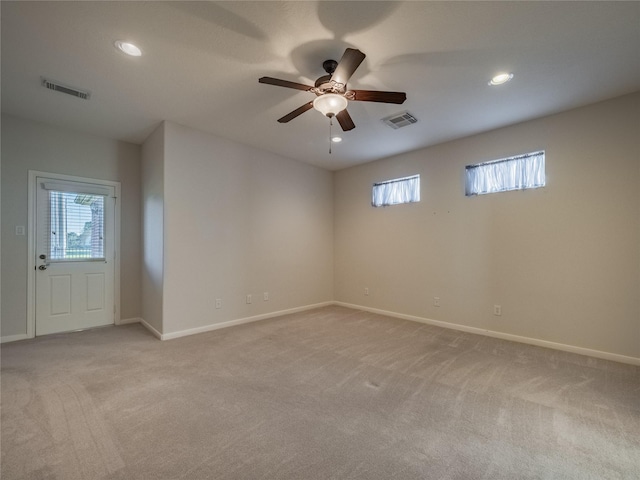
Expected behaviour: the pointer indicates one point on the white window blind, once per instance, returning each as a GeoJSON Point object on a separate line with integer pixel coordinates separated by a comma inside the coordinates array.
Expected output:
{"type": "Point", "coordinates": [76, 226]}
{"type": "Point", "coordinates": [396, 191]}
{"type": "Point", "coordinates": [513, 173]}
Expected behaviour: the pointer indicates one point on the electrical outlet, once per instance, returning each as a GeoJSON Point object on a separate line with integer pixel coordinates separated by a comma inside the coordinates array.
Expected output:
{"type": "Point", "coordinates": [218, 303]}
{"type": "Point", "coordinates": [366, 291]}
{"type": "Point", "coordinates": [497, 310]}
{"type": "Point", "coordinates": [436, 301]}
{"type": "Point", "coordinates": [266, 296]}
{"type": "Point", "coordinates": [249, 298]}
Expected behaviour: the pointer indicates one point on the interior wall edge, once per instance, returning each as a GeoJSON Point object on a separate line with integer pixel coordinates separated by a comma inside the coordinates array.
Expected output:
{"type": "Point", "coordinates": [615, 357]}
{"type": "Point", "coordinates": [150, 327]}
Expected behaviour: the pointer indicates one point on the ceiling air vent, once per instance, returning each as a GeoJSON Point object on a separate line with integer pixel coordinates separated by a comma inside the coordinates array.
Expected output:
{"type": "Point", "coordinates": [60, 87]}
{"type": "Point", "coordinates": [400, 120]}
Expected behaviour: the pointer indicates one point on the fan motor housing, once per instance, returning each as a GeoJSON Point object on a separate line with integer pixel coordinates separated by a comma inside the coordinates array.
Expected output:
{"type": "Point", "coordinates": [330, 66]}
{"type": "Point", "coordinates": [323, 82]}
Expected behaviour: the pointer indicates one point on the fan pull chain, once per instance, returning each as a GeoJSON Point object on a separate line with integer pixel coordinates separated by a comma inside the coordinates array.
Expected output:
{"type": "Point", "coordinates": [330, 123]}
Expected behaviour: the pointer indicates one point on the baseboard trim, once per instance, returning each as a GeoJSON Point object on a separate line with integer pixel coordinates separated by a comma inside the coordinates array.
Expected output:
{"type": "Point", "coordinates": [14, 338]}
{"type": "Point", "coordinates": [149, 327]}
{"type": "Point", "coordinates": [233, 323]}
{"type": "Point", "coordinates": [127, 321]}
{"type": "Point", "coordinates": [438, 323]}
{"type": "Point", "coordinates": [124, 321]}
{"type": "Point", "coordinates": [504, 336]}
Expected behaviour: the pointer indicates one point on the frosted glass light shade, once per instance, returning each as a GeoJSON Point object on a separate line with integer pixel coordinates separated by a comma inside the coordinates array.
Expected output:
{"type": "Point", "coordinates": [330, 104]}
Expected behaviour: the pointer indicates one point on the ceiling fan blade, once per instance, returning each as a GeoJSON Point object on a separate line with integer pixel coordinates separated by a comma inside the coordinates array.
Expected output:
{"type": "Point", "coordinates": [284, 83]}
{"type": "Point", "coordinates": [377, 96]}
{"type": "Point", "coordinates": [344, 119]}
{"type": "Point", "coordinates": [348, 64]}
{"type": "Point", "coordinates": [296, 112]}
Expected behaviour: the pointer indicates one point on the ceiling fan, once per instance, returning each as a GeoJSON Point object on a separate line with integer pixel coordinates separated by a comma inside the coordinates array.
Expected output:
{"type": "Point", "coordinates": [332, 95]}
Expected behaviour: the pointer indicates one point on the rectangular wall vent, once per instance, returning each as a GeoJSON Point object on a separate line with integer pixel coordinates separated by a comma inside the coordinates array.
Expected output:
{"type": "Point", "coordinates": [400, 120]}
{"type": "Point", "coordinates": [60, 87]}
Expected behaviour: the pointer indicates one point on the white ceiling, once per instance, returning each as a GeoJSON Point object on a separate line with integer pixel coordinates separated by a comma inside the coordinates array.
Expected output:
{"type": "Point", "coordinates": [202, 61]}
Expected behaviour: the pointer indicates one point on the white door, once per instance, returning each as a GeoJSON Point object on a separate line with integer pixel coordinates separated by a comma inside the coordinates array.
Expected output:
{"type": "Point", "coordinates": [74, 255]}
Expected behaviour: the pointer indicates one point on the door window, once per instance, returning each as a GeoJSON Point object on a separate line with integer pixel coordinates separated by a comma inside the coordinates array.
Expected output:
{"type": "Point", "coordinates": [76, 226]}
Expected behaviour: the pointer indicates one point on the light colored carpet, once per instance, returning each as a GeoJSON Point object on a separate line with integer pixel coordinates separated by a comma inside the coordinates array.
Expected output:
{"type": "Point", "coordinates": [331, 393]}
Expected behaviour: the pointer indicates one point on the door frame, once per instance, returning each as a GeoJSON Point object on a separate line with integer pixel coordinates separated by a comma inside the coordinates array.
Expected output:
{"type": "Point", "coordinates": [31, 243]}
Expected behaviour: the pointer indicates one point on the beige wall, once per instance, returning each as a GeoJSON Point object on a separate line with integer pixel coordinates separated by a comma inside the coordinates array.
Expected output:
{"type": "Point", "coordinates": [28, 146]}
{"type": "Point", "coordinates": [241, 221]}
{"type": "Point", "coordinates": [153, 228]}
{"type": "Point", "coordinates": [563, 261]}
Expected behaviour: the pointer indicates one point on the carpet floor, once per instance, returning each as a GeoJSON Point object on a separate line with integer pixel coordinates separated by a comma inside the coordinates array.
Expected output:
{"type": "Point", "coordinates": [331, 393]}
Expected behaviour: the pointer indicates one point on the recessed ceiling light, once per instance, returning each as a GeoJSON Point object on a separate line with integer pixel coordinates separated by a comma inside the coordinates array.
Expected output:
{"type": "Point", "coordinates": [501, 78]}
{"type": "Point", "coordinates": [336, 139]}
{"type": "Point", "coordinates": [128, 48]}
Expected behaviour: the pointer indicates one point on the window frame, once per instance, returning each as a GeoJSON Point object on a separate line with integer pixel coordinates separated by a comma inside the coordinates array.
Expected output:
{"type": "Point", "coordinates": [397, 197]}
{"type": "Point", "coordinates": [62, 253]}
{"type": "Point", "coordinates": [524, 177]}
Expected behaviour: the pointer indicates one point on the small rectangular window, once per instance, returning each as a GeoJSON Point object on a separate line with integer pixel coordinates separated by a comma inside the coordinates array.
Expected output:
{"type": "Point", "coordinates": [396, 191]}
{"type": "Point", "coordinates": [76, 224]}
{"type": "Point", "coordinates": [513, 173]}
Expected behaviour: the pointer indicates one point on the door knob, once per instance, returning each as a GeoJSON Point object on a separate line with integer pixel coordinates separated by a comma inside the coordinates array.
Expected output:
{"type": "Point", "coordinates": [42, 267]}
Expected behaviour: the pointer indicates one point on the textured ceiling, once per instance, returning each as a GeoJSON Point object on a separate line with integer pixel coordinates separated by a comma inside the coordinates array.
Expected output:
{"type": "Point", "coordinates": [202, 61]}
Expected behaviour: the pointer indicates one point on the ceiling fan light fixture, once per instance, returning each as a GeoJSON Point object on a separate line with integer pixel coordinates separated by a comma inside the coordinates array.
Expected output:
{"type": "Point", "coordinates": [330, 104]}
{"type": "Point", "coordinates": [336, 139]}
{"type": "Point", "coordinates": [500, 78]}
